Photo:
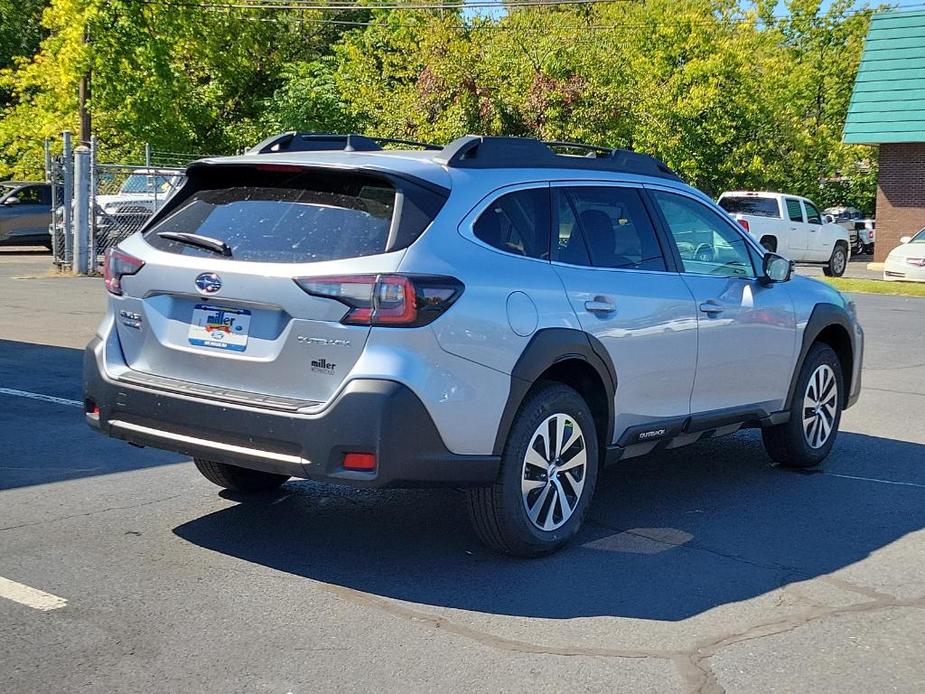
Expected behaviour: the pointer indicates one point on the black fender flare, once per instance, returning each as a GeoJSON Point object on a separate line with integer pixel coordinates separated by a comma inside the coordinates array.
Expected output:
{"type": "Point", "coordinates": [547, 348]}
{"type": "Point", "coordinates": [822, 317]}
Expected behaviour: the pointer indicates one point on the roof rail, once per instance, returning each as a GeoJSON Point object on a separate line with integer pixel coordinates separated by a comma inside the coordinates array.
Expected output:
{"type": "Point", "coordinates": [293, 141]}
{"type": "Point", "coordinates": [476, 152]}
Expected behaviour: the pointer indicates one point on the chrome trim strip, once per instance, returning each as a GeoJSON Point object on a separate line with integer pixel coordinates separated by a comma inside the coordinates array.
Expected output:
{"type": "Point", "coordinates": [206, 443]}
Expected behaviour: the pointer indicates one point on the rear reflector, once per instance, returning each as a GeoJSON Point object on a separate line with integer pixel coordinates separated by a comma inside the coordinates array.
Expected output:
{"type": "Point", "coordinates": [359, 461]}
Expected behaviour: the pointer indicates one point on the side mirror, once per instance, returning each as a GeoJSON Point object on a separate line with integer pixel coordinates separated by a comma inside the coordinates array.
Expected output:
{"type": "Point", "coordinates": [12, 200]}
{"type": "Point", "coordinates": [828, 219]}
{"type": "Point", "coordinates": [776, 268]}
{"type": "Point", "coordinates": [905, 239]}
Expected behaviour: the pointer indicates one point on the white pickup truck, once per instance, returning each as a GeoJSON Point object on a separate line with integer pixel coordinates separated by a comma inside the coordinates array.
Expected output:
{"type": "Point", "coordinates": [791, 226]}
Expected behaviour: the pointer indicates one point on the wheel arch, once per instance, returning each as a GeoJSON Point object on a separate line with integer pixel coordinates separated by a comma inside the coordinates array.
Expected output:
{"type": "Point", "coordinates": [568, 356]}
{"type": "Point", "coordinates": [831, 325]}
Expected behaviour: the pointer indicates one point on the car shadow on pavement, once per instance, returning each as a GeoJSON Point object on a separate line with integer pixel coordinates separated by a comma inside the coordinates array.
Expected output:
{"type": "Point", "coordinates": [45, 441]}
{"type": "Point", "coordinates": [668, 537]}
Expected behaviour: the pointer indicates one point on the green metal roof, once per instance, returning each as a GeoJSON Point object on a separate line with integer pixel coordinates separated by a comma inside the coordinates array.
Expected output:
{"type": "Point", "coordinates": [888, 101]}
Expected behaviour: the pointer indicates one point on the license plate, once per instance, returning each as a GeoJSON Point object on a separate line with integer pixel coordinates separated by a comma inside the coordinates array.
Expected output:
{"type": "Point", "coordinates": [219, 327]}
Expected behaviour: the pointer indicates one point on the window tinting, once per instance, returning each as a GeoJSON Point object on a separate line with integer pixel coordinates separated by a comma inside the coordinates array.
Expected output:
{"type": "Point", "coordinates": [517, 223]}
{"type": "Point", "coordinates": [812, 214]}
{"type": "Point", "coordinates": [606, 227]}
{"type": "Point", "coordinates": [30, 195]}
{"type": "Point", "coordinates": [759, 207]}
{"type": "Point", "coordinates": [301, 218]}
{"type": "Point", "coordinates": [794, 211]}
{"type": "Point", "coordinates": [707, 243]}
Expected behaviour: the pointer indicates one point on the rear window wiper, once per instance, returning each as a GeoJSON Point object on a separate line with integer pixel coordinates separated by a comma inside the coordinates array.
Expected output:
{"type": "Point", "coordinates": [205, 242]}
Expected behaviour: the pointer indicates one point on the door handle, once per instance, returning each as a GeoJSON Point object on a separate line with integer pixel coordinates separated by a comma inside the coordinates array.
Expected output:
{"type": "Point", "coordinates": [598, 306]}
{"type": "Point", "coordinates": [712, 307]}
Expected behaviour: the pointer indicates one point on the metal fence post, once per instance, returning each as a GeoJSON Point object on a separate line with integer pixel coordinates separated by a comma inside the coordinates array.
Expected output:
{"type": "Point", "coordinates": [68, 170]}
{"type": "Point", "coordinates": [148, 154]}
{"type": "Point", "coordinates": [82, 210]}
{"type": "Point", "coordinates": [48, 161]}
{"type": "Point", "coordinates": [94, 184]}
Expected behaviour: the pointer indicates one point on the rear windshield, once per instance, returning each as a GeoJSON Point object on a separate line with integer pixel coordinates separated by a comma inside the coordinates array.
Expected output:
{"type": "Point", "coordinates": [293, 218]}
{"type": "Point", "coordinates": [760, 207]}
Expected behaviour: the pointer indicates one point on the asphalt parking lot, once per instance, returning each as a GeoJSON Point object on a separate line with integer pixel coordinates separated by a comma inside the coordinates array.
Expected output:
{"type": "Point", "coordinates": [701, 570]}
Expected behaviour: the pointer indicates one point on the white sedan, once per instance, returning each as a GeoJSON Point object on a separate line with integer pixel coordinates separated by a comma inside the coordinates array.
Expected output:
{"type": "Point", "coordinates": [907, 261]}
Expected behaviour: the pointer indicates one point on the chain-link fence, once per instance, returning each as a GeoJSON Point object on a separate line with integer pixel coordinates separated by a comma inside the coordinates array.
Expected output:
{"type": "Point", "coordinates": [124, 197]}
{"type": "Point", "coordinates": [120, 198]}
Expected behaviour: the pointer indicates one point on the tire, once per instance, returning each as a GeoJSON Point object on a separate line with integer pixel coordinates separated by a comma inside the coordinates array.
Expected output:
{"type": "Point", "coordinates": [838, 263]}
{"type": "Point", "coordinates": [238, 479]}
{"type": "Point", "coordinates": [499, 513]}
{"type": "Point", "coordinates": [799, 442]}
{"type": "Point", "coordinates": [769, 243]}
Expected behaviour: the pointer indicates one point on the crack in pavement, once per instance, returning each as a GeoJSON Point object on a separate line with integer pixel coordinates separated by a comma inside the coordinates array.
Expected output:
{"type": "Point", "coordinates": [91, 513]}
{"type": "Point", "coordinates": [691, 663]}
{"type": "Point", "coordinates": [703, 680]}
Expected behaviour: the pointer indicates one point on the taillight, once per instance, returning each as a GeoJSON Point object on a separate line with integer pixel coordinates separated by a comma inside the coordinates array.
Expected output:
{"type": "Point", "coordinates": [744, 223]}
{"type": "Point", "coordinates": [116, 265]}
{"type": "Point", "coordinates": [401, 301]}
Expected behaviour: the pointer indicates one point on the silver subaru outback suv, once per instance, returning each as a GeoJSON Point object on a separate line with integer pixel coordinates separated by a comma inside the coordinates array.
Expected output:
{"type": "Point", "coordinates": [499, 314]}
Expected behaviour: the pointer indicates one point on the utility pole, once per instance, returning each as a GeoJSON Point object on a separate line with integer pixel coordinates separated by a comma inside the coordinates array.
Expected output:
{"type": "Point", "coordinates": [83, 98]}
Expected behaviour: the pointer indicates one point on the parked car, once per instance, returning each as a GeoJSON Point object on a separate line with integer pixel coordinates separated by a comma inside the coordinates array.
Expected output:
{"type": "Point", "coordinates": [25, 213]}
{"type": "Point", "coordinates": [141, 194]}
{"type": "Point", "coordinates": [865, 236]}
{"type": "Point", "coordinates": [860, 228]}
{"type": "Point", "coordinates": [792, 226]}
{"type": "Point", "coordinates": [907, 261]}
{"type": "Point", "coordinates": [491, 315]}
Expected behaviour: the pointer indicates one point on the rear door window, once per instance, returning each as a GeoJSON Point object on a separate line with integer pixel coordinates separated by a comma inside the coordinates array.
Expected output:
{"type": "Point", "coordinates": [794, 211]}
{"type": "Point", "coordinates": [606, 226]}
{"type": "Point", "coordinates": [297, 218]}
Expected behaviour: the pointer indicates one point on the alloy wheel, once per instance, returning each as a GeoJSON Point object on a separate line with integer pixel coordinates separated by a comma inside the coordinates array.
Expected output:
{"type": "Point", "coordinates": [839, 262]}
{"type": "Point", "coordinates": [820, 406]}
{"type": "Point", "coordinates": [554, 472]}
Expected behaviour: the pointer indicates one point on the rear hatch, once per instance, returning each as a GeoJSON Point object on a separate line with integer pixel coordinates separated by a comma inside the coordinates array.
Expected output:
{"type": "Point", "coordinates": [229, 321]}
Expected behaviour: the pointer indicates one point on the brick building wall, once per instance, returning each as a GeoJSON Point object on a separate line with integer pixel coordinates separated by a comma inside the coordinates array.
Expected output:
{"type": "Point", "coordinates": [900, 195]}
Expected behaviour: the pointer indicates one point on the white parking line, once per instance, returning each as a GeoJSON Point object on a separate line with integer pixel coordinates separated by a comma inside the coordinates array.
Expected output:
{"type": "Point", "coordinates": [31, 597]}
{"type": "Point", "coordinates": [40, 396]}
{"type": "Point", "coordinates": [874, 479]}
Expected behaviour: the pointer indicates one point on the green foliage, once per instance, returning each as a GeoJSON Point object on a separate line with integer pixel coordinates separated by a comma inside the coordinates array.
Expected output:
{"type": "Point", "coordinates": [723, 91]}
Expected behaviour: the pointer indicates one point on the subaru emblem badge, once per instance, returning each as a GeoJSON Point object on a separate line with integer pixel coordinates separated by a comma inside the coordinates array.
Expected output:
{"type": "Point", "coordinates": [208, 283]}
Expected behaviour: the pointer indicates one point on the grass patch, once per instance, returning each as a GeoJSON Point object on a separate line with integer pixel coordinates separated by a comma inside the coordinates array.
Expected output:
{"type": "Point", "coordinates": [845, 284]}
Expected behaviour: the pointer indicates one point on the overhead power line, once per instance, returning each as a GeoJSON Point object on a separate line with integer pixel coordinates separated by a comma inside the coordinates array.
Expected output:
{"type": "Point", "coordinates": [492, 24]}
{"type": "Point", "coordinates": [313, 5]}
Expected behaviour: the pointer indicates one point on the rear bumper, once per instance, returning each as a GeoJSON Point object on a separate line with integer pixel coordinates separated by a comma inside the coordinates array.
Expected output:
{"type": "Point", "coordinates": [369, 416]}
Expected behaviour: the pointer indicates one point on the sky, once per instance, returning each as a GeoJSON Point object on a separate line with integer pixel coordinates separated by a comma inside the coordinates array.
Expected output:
{"type": "Point", "coordinates": [781, 6]}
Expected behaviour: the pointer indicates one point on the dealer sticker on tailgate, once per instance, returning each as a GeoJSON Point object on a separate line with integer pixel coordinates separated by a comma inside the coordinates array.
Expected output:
{"type": "Point", "coordinates": [219, 327]}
